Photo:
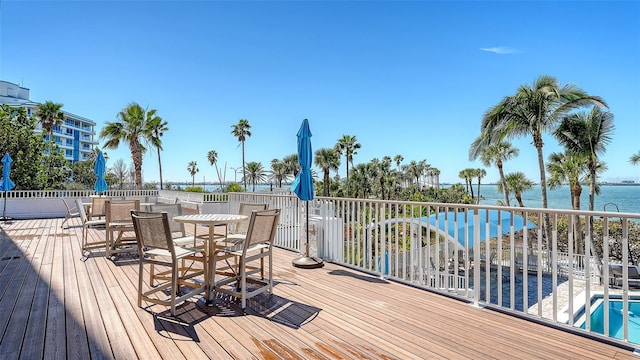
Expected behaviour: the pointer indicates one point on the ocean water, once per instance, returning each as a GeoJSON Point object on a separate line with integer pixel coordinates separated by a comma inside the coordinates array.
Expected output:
{"type": "Point", "coordinates": [625, 197]}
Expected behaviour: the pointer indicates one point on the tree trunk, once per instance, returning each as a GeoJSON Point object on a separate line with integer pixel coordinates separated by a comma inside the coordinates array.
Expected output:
{"type": "Point", "coordinates": [537, 140]}
{"type": "Point", "coordinates": [325, 191]}
{"type": "Point", "coordinates": [160, 167]}
{"type": "Point", "coordinates": [347, 161]}
{"type": "Point", "coordinates": [505, 191]}
{"type": "Point", "coordinates": [577, 229]}
{"type": "Point", "coordinates": [244, 172]}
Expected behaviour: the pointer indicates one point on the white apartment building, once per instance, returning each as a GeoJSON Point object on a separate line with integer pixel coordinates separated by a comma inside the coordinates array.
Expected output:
{"type": "Point", "coordinates": [76, 135]}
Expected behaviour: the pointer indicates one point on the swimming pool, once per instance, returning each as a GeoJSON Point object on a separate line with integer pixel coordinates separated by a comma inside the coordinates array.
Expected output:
{"type": "Point", "coordinates": [615, 317]}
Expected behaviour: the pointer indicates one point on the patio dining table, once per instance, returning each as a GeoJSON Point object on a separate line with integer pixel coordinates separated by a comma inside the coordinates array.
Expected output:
{"type": "Point", "coordinates": [211, 220]}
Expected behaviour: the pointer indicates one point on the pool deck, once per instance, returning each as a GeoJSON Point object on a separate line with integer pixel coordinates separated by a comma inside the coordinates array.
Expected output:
{"type": "Point", "coordinates": [55, 305]}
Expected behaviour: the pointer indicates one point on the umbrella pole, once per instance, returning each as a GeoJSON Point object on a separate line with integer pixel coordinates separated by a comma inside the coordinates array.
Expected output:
{"type": "Point", "coordinates": [4, 206]}
{"type": "Point", "coordinates": [307, 262]}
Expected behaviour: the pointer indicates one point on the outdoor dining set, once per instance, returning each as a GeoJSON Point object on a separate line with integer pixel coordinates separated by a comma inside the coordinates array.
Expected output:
{"type": "Point", "coordinates": [175, 265]}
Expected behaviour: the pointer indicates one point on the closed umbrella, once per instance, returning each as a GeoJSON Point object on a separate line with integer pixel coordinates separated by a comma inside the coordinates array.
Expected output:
{"type": "Point", "coordinates": [303, 187]}
{"type": "Point", "coordinates": [100, 168]}
{"type": "Point", "coordinates": [5, 183]}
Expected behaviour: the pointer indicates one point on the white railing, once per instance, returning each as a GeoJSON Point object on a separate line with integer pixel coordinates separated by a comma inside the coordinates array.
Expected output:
{"type": "Point", "coordinates": [396, 240]}
{"type": "Point", "coordinates": [513, 266]}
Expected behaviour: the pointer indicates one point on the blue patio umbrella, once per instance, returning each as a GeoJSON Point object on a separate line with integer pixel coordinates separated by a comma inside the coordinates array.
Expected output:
{"type": "Point", "coordinates": [452, 222]}
{"type": "Point", "coordinates": [5, 183]}
{"type": "Point", "coordinates": [303, 184]}
{"type": "Point", "coordinates": [303, 187]}
{"type": "Point", "coordinates": [100, 167]}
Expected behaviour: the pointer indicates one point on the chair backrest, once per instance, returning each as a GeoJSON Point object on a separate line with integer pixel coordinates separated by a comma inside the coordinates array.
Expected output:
{"type": "Point", "coordinates": [262, 227]}
{"type": "Point", "coordinates": [119, 211]}
{"type": "Point", "coordinates": [152, 230]}
{"type": "Point", "coordinates": [172, 210]}
{"type": "Point", "coordinates": [83, 214]}
{"type": "Point", "coordinates": [246, 209]}
{"type": "Point", "coordinates": [97, 206]}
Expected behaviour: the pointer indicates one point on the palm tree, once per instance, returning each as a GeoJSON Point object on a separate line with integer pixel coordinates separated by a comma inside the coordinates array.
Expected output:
{"type": "Point", "coordinates": [517, 183]}
{"type": "Point", "coordinates": [192, 168]}
{"type": "Point", "coordinates": [242, 132]}
{"type": "Point", "coordinates": [532, 111]}
{"type": "Point", "coordinates": [468, 174]}
{"type": "Point", "coordinates": [479, 173]}
{"type": "Point", "coordinates": [384, 168]}
{"type": "Point", "coordinates": [569, 168]}
{"type": "Point", "coordinates": [635, 159]}
{"type": "Point", "coordinates": [348, 145]}
{"type": "Point", "coordinates": [279, 171]}
{"type": "Point", "coordinates": [496, 154]}
{"type": "Point", "coordinates": [156, 128]}
{"type": "Point", "coordinates": [587, 134]}
{"type": "Point", "coordinates": [415, 169]}
{"type": "Point", "coordinates": [212, 156]}
{"type": "Point", "coordinates": [435, 173]}
{"type": "Point", "coordinates": [132, 129]}
{"type": "Point", "coordinates": [49, 114]}
{"type": "Point", "coordinates": [291, 164]}
{"type": "Point", "coordinates": [398, 160]}
{"type": "Point", "coordinates": [256, 173]}
{"type": "Point", "coordinates": [327, 159]}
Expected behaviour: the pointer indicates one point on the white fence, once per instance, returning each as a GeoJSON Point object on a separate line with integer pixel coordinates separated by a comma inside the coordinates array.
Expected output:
{"type": "Point", "coordinates": [534, 271]}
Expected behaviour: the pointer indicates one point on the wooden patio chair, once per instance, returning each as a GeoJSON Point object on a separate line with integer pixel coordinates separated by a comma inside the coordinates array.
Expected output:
{"type": "Point", "coordinates": [88, 224]}
{"type": "Point", "coordinates": [71, 213]}
{"type": "Point", "coordinates": [180, 238]}
{"type": "Point", "coordinates": [257, 245]}
{"type": "Point", "coordinates": [118, 224]}
{"type": "Point", "coordinates": [156, 247]}
{"type": "Point", "coordinates": [98, 207]}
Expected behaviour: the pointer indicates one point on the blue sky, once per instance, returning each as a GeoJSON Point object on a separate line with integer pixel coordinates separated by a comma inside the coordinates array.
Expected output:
{"type": "Point", "coordinates": [411, 78]}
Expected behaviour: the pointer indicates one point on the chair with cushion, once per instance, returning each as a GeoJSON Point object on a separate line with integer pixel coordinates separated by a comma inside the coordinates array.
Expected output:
{"type": "Point", "coordinates": [156, 247]}
{"type": "Point", "coordinates": [88, 224]}
{"type": "Point", "coordinates": [119, 235]}
{"type": "Point", "coordinates": [180, 238]}
{"type": "Point", "coordinates": [256, 246]}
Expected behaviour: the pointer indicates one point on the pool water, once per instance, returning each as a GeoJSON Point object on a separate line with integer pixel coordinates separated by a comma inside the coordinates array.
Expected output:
{"type": "Point", "coordinates": [616, 319]}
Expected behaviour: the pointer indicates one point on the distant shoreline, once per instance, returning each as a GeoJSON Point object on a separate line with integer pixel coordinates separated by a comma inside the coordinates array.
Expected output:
{"type": "Point", "coordinates": [536, 184]}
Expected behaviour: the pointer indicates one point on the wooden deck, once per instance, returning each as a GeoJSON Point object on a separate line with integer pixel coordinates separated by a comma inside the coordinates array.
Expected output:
{"type": "Point", "coordinates": [53, 305]}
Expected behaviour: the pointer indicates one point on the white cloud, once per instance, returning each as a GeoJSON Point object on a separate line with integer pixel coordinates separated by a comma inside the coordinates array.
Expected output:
{"type": "Point", "coordinates": [500, 50]}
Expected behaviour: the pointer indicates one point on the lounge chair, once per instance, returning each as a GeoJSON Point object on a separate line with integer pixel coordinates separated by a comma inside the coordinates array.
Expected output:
{"type": "Point", "coordinates": [616, 277]}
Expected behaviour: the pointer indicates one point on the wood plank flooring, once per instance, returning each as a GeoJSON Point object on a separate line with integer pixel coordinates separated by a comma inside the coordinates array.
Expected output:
{"type": "Point", "coordinates": [54, 305]}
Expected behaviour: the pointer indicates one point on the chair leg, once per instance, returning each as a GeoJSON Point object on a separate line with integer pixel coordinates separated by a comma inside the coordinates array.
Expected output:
{"type": "Point", "coordinates": [152, 276]}
{"type": "Point", "coordinates": [243, 284]}
{"type": "Point", "coordinates": [270, 273]}
{"type": "Point", "coordinates": [140, 275]}
{"type": "Point", "coordinates": [174, 287]}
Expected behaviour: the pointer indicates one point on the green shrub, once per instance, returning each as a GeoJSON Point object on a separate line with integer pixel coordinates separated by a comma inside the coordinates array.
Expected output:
{"type": "Point", "coordinates": [233, 187]}
{"type": "Point", "coordinates": [194, 189]}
